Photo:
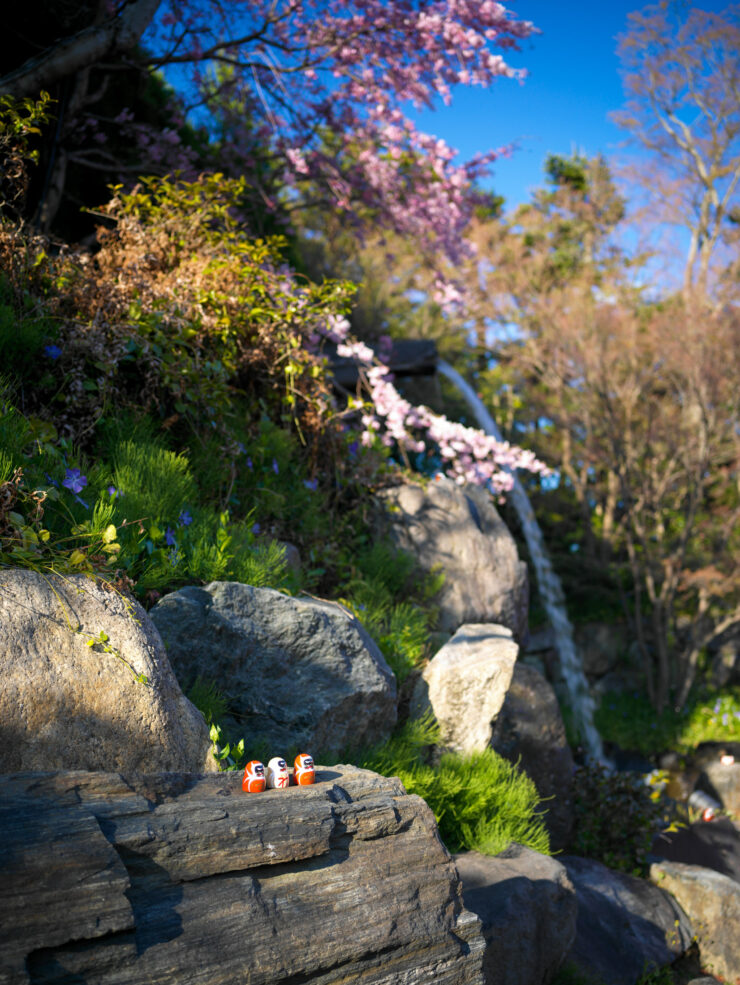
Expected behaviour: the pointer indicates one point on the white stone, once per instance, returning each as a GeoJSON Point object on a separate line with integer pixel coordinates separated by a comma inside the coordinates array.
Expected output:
{"type": "Point", "coordinates": [465, 684]}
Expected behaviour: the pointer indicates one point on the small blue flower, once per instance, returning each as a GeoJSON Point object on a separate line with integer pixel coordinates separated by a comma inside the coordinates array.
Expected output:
{"type": "Point", "coordinates": [241, 449]}
{"type": "Point", "coordinates": [256, 528]}
{"type": "Point", "coordinates": [275, 467]}
{"type": "Point", "coordinates": [112, 491]}
{"type": "Point", "coordinates": [74, 480]}
{"type": "Point", "coordinates": [184, 519]}
{"type": "Point", "coordinates": [52, 482]}
{"type": "Point", "coordinates": [249, 463]}
{"type": "Point", "coordinates": [311, 484]}
{"type": "Point", "coordinates": [52, 351]}
{"type": "Point", "coordinates": [716, 707]}
{"type": "Point", "coordinates": [353, 449]}
{"type": "Point", "coordinates": [169, 537]}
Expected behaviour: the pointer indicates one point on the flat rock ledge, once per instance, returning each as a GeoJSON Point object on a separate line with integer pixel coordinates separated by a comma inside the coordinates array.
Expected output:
{"type": "Point", "coordinates": [180, 878]}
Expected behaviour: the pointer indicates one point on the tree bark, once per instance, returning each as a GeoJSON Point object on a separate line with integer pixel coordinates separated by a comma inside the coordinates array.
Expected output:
{"type": "Point", "coordinates": [81, 50]}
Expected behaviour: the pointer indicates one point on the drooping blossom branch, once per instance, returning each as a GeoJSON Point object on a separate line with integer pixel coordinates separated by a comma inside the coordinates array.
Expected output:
{"type": "Point", "coordinates": [469, 455]}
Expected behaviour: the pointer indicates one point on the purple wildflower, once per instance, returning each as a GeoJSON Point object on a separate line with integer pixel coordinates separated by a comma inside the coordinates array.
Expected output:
{"type": "Point", "coordinates": [311, 484]}
{"type": "Point", "coordinates": [74, 480]}
{"type": "Point", "coordinates": [256, 528]}
{"type": "Point", "coordinates": [169, 537]}
{"type": "Point", "coordinates": [275, 467]}
{"type": "Point", "coordinates": [52, 351]}
{"type": "Point", "coordinates": [249, 463]}
{"type": "Point", "coordinates": [184, 519]}
{"type": "Point", "coordinates": [112, 491]}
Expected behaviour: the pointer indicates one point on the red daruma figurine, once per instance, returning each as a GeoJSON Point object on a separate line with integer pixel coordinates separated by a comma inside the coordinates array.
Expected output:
{"type": "Point", "coordinates": [278, 777]}
{"type": "Point", "coordinates": [254, 780]}
{"type": "Point", "coordinates": [304, 772]}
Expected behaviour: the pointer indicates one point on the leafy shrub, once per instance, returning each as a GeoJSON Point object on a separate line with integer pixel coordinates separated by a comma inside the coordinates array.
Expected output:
{"type": "Point", "coordinates": [629, 720]}
{"type": "Point", "coordinates": [617, 816]}
{"type": "Point", "coordinates": [392, 602]}
{"type": "Point", "coordinates": [480, 801]}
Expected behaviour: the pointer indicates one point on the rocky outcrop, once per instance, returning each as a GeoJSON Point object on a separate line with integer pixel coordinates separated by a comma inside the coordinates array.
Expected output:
{"type": "Point", "coordinates": [712, 902]}
{"type": "Point", "coordinates": [714, 845]}
{"type": "Point", "coordinates": [529, 731]}
{"type": "Point", "coordinates": [459, 531]}
{"type": "Point", "coordinates": [465, 684]}
{"type": "Point", "coordinates": [527, 908]}
{"type": "Point", "coordinates": [720, 780]}
{"type": "Point", "coordinates": [67, 705]}
{"type": "Point", "coordinates": [180, 879]}
{"type": "Point", "coordinates": [298, 671]}
{"type": "Point", "coordinates": [625, 925]}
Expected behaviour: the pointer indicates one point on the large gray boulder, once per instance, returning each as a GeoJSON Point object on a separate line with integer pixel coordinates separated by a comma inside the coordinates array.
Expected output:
{"type": "Point", "coordinates": [67, 705]}
{"type": "Point", "coordinates": [712, 902]}
{"type": "Point", "coordinates": [625, 925]}
{"type": "Point", "coordinates": [465, 684]}
{"type": "Point", "coordinates": [459, 531]}
{"type": "Point", "coordinates": [527, 908]}
{"type": "Point", "coordinates": [529, 731]}
{"type": "Point", "coordinates": [299, 671]}
{"type": "Point", "coordinates": [186, 880]}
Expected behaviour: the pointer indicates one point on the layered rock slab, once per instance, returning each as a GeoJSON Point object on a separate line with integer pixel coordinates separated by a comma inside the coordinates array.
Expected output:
{"type": "Point", "coordinates": [459, 531]}
{"type": "Point", "coordinates": [345, 880]}
{"type": "Point", "coordinates": [299, 671]}
{"type": "Point", "coordinates": [527, 908]}
{"type": "Point", "coordinates": [67, 705]}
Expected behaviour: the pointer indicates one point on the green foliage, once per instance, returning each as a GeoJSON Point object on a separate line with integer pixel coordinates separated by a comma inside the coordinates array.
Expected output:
{"type": "Point", "coordinates": [23, 332]}
{"type": "Point", "coordinates": [209, 699]}
{"type": "Point", "coordinates": [156, 484]}
{"type": "Point", "coordinates": [629, 720]}
{"type": "Point", "coordinates": [228, 756]}
{"type": "Point", "coordinates": [392, 603]}
{"type": "Point", "coordinates": [20, 125]}
{"type": "Point", "coordinates": [617, 815]}
{"type": "Point", "coordinates": [481, 802]}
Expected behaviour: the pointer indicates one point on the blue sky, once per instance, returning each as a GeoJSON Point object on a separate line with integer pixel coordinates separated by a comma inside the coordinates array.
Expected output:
{"type": "Point", "coordinates": [564, 103]}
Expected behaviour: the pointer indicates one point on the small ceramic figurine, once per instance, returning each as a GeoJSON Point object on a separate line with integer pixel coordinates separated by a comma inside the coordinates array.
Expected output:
{"type": "Point", "coordinates": [304, 772]}
{"type": "Point", "coordinates": [254, 780]}
{"type": "Point", "coordinates": [277, 773]}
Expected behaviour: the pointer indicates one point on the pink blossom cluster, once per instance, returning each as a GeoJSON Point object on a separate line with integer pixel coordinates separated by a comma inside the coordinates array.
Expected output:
{"type": "Point", "coordinates": [295, 71]}
{"type": "Point", "coordinates": [469, 455]}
